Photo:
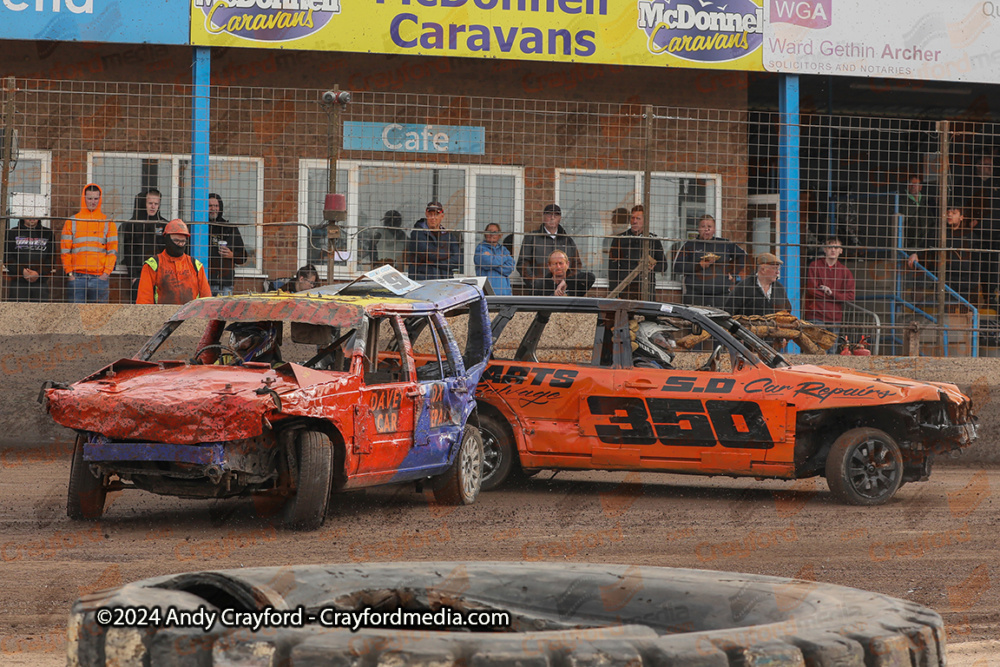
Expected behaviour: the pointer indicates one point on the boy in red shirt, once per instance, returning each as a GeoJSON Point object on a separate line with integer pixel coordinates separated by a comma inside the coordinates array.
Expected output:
{"type": "Point", "coordinates": [828, 285]}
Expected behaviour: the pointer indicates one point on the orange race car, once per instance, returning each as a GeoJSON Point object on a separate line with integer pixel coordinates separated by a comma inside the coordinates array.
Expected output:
{"type": "Point", "coordinates": [600, 384]}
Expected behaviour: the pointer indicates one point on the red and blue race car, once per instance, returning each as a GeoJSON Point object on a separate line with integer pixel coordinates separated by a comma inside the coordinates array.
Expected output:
{"type": "Point", "coordinates": [292, 396]}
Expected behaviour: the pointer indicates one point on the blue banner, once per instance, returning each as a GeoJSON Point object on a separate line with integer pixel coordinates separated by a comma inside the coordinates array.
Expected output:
{"type": "Point", "coordinates": [116, 21]}
{"type": "Point", "coordinates": [399, 138]}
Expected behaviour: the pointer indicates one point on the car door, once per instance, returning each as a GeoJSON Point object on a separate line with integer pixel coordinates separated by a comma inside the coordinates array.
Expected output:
{"type": "Point", "coordinates": [545, 384]}
{"type": "Point", "coordinates": [698, 417]}
{"type": "Point", "coordinates": [442, 392]}
{"type": "Point", "coordinates": [384, 414]}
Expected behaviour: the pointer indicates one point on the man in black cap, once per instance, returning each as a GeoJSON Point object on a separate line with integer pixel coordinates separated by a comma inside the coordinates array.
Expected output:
{"type": "Point", "coordinates": [434, 253]}
{"type": "Point", "coordinates": [532, 263]}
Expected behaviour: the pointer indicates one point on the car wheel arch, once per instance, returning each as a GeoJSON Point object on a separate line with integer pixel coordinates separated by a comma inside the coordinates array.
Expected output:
{"type": "Point", "coordinates": [825, 426]}
{"type": "Point", "coordinates": [288, 433]}
{"type": "Point", "coordinates": [503, 412]}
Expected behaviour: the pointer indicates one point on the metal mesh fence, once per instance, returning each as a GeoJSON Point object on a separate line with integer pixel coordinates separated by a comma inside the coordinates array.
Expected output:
{"type": "Point", "coordinates": [922, 277]}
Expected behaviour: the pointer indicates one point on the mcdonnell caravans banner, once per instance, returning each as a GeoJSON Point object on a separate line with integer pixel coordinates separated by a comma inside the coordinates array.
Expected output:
{"type": "Point", "coordinates": [947, 40]}
{"type": "Point", "coordinates": [718, 34]}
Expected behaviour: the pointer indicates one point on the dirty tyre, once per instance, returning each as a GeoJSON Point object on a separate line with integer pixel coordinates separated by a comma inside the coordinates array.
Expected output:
{"type": "Point", "coordinates": [307, 508]}
{"type": "Point", "coordinates": [499, 451]}
{"type": "Point", "coordinates": [461, 484]}
{"type": "Point", "coordinates": [864, 467]}
{"type": "Point", "coordinates": [86, 495]}
{"type": "Point", "coordinates": [560, 614]}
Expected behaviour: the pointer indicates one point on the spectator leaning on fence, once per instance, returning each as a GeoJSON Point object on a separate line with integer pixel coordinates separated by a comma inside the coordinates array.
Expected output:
{"type": "Point", "coordinates": [142, 236]}
{"type": "Point", "coordinates": [920, 216]}
{"type": "Point", "coordinates": [539, 245]}
{"type": "Point", "coordinates": [30, 257]}
{"type": "Point", "coordinates": [434, 253]}
{"type": "Point", "coordinates": [89, 249]}
{"type": "Point", "coordinates": [709, 266]}
{"type": "Point", "coordinates": [173, 276]}
{"type": "Point", "coordinates": [558, 281]}
{"type": "Point", "coordinates": [627, 252]}
{"type": "Point", "coordinates": [964, 258]}
{"type": "Point", "coordinates": [494, 261]}
{"type": "Point", "coordinates": [761, 294]}
{"type": "Point", "coordinates": [829, 284]}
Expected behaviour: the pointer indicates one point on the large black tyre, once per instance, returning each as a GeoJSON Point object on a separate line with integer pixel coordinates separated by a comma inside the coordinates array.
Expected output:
{"type": "Point", "coordinates": [306, 509]}
{"type": "Point", "coordinates": [559, 614]}
{"type": "Point", "coordinates": [87, 494]}
{"type": "Point", "coordinates": [499, 451]}
{"type": "Point", "coordinates": [460, 485]}
{"type": "Point", "coordinates": [864, 467]}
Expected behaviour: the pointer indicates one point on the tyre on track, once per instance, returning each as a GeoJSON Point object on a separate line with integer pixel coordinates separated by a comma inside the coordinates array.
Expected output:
{"type": "Point", "coordinates": [564, 613]}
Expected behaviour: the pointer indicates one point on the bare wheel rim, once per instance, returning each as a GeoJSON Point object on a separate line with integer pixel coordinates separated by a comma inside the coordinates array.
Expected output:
{"type": "Point", "coordinates": [872, 469]}
{"type": "Point", "coordinates": [470, 464]}
{"type": "Point", "coordinates": [492, 453]}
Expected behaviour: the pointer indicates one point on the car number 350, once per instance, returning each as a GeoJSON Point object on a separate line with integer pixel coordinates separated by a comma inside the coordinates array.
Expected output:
{"type": "Point", "coordinates": [680, 421]}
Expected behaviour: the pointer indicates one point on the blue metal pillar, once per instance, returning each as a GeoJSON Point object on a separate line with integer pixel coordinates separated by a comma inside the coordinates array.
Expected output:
{"type": "Point", "coordinates": [788, 187]}
{"type": "Point", "coordinates": [201, 106]}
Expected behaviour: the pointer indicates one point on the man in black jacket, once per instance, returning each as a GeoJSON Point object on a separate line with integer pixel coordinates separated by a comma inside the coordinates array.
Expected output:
{"type": "Point", "coordinates": [761, 294]}
{"type": "Point", "coordinates": [142, 236]}
{"type": "Point", "coordinates": [29, 256]}
{"type": "Point", "coordinates": [708, 265]}
{"type": "Point", "coordinates": [225, 249]}
{"type": "Point", "coordinates": [557, 281]}
{"type": "Point", "coordinates": [627, 251]}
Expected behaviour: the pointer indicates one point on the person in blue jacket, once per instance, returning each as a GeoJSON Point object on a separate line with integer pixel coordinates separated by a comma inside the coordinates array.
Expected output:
{"type": "Point", "coordinates": [434, 253]}
{"type": "Point", "coordinates": [494, 261]}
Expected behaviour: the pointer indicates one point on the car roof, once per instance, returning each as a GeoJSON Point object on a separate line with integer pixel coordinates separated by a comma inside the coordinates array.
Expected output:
{"type": "Point", "coordinates": [333, 304]}
{"type": "Point", "coordinates": [582, 304]}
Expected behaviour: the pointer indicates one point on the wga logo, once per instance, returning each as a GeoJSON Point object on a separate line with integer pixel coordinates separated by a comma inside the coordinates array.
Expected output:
{"type": "Point", "coordinates": [806, 13]}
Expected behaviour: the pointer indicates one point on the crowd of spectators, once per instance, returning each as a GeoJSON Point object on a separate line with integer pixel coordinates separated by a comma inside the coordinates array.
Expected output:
{"type": "Point", "coordinates": [713, 271]}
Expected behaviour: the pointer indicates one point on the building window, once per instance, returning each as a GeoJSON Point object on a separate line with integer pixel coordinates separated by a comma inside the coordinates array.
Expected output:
{"type": "Point", "coordinates": [32, 175]}
{"type": "Point", "coordinates": [238, 180]}
{"type": "Point", "coordinates": [589, 200]}
{"type": "Point", "coordinates": [472, 197]}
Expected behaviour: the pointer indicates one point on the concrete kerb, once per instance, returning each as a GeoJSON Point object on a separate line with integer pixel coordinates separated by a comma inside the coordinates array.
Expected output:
{"type": "Point", "coordinates": [65, 342]}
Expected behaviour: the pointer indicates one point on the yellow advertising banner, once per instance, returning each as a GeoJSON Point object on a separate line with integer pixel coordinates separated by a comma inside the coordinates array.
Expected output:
{"type": "Point", "coordinates": [711, 34]}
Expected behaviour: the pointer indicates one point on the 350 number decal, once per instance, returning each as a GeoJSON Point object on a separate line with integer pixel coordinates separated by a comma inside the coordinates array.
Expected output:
{"type": "Point", "coordinates": [680, 421]}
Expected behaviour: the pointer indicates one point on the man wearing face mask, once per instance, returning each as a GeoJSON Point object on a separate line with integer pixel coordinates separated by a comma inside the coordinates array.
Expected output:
{"type": "Point", "coordinates": [173, 276]}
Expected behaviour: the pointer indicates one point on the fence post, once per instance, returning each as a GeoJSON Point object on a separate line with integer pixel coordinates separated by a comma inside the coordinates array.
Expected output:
{"type": "Point", "coordinates": [333, 215]}
{"type": "Point", "coordinates": [201, 108]}
{"type": "Point", "coordinates": [6, 157]}
{"type": "Point", "coordinates": [945, 169]}
{"type": "Point", "coordinates": [647, 180]}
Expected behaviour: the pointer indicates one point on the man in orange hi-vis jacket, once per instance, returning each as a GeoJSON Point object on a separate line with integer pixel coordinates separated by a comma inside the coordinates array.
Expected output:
{"type": "Point", "coordinates": [173, 276]}
{"type": "Point", "coordinates": [89, 249]}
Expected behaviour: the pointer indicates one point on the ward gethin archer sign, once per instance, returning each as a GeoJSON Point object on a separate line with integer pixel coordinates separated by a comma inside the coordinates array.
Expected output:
{"type": "Point", "coordinates": [952, 40]}
{"type": "Point", "coordinates": [713, 34]}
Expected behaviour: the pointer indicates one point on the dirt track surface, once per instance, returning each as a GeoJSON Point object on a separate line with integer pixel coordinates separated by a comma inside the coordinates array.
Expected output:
{"type": "Point", "coordinates": [935, 544]}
